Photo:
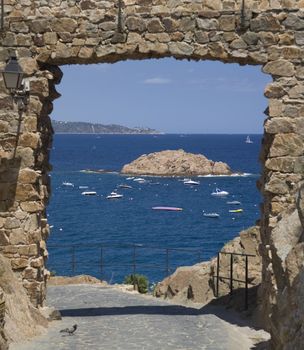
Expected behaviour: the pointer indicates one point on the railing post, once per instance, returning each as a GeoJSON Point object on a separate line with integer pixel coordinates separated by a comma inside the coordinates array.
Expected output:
{"type": "Point", "coordinates": [217, 274]}
{"type": "Point", "coordinates": [246, 282]}
{"type": "Point", "coordinates": [134, 266]}
{"type": "Point", "coordinates": [101, 262]}
{"type": "Point", "coordinates": [167, 261]}
{"type": "Point", "coordinates": [231, 273]}
{"type": "Point", "coordinates": [73, 260]}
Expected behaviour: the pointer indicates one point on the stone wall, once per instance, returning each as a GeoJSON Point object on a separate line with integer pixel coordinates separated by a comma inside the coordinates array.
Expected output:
{"type": "Point", "coordinates": [47, 34]}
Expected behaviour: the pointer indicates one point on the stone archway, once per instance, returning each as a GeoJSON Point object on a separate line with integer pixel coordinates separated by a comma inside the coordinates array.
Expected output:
{"type": "Point", "coordinates": [46, 35]}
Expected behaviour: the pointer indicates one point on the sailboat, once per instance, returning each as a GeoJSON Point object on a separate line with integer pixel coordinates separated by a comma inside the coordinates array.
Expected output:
{"type": "Point", "coordinates": [248, 140]}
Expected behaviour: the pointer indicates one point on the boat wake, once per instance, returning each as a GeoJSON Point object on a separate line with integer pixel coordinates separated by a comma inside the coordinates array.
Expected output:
{"type": "Point", "coordinates": [231, 175]}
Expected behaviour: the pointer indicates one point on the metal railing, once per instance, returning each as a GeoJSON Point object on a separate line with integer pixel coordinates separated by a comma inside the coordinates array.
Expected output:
{"type": "Point", "coordinates": [231, 278]}
{"type": "Point", "coordinates": [125, 256]}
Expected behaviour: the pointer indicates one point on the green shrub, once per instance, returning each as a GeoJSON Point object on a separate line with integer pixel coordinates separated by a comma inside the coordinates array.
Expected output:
{"type": "Point", "coordinates": [140, 282]}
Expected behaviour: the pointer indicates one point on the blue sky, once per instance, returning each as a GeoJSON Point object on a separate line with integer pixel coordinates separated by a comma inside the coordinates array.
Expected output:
{"type": "Point", "coordinates": [168, 95]}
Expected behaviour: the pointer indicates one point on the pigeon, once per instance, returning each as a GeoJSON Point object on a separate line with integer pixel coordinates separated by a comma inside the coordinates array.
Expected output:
{"type": "Point", "coordinates": [69, 331]}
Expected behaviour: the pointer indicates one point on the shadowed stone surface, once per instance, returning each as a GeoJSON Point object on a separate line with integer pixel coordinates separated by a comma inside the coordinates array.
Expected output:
{"type": "Point", "coordinates": [110, 319]}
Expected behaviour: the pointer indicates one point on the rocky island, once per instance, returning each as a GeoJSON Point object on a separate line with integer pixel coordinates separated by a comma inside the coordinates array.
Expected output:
{"type": "Point", "coordinates": [175, 163]}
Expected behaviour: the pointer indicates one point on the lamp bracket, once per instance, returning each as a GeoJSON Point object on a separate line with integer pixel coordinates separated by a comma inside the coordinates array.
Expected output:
{"type": "Point", "coordinates": [21, 96]}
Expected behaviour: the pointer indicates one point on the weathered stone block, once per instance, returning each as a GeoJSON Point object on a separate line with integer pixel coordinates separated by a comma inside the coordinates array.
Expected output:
{"type": "Point", "coordinates": [32, 207]}
{"type": "Point", "coordinates": [155, 26]}
{"type": "Point", "coordinates": [201, 37]}
{"type": "Point", "coordinates": [182, 49]}
{"type": "Point", "coordinates": [40, 26]}
{"type": "Point", "coordinates": [294, 22]}
{"type": "Point", "coordinates": [287, 145]}
{"type": "Point", "coordinates": [4, 239]}
{"type": "Point", "coordinates": [238, 44]}
{"type": "Point", "coordinates": [50, 38]}
{"type": "Point", "coordinates": [26, 192]}
{"type": "Point", "coordinates": [28, 176]}
{"type": "Point", "coordinates": [30, 140]}
{"type": "Point", "coordinates": [135, 24]}
{"type": "Point", "coordinates": [207, 24]}
{"type": "Point", "coordinates": [274, 90]}
{"type": "Point", "coordinates": [227, 23]}
{"type": "Point", "coordinates": [64, 25]}
{"type": "Point", "coordinates": [19, 263]}
{"type": "Point", "coordinates": [11, 222]}
{"type": "Point", "coordinates": [285, 164]}
{"type": "Point", "coordinates": [18, 236]}
{"type": "Point", "coordinates": [279, 125]}
{"type": "Point", "coordinates": [169, 24]}
{"type": "Point", "coordinates": [86, 52]}
{"type": "Point", "coordinates": [282, 68]}
{"type": "Point", "coordinates": [30, 273]}
{"type": "Point", "coordinates": [28, 250]}
{"type": "Point", "coordinates": [38, 262]}
{"type": "Point", "coordinates": [265, 22]}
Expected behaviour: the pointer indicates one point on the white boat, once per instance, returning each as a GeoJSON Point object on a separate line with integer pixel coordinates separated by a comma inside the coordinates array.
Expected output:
{"type": "Point", "coordinates": [168, 208]}
{"type": "Point", "coordinates": [130, 178]}
{"type": "Point", "coordinates": [138, 179]}
{"type": "Point", "coordinates": [219, 193]}
{"type": "Point", "coordinates": [124, 186]}
{"type": "Point", "coordinates": [191, 182]}
{"type": "Point", "coordinates": [89, 193]}
{"type": "Point", "coordinates": [248, 140]}
{"type": "Point", "coordinates": [211, 215]}
{"type": "Point", "coordinates": [68, 184]}
{"type": "Point", "coordinates": [114, 195]}
{"type": "Point", "coordinates": [234, 202]}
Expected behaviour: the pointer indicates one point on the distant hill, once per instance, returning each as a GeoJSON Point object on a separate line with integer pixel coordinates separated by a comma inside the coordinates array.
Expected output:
{"type": "Point", "coordinates": [90, 128]}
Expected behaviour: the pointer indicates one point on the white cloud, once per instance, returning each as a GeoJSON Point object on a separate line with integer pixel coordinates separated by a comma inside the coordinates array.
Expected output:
{"type": "Point", "coordinates": [157, 81]}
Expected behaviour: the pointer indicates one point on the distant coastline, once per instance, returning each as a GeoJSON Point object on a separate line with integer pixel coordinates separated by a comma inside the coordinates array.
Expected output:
{"type": "Point", "coordinates": [78, 128]}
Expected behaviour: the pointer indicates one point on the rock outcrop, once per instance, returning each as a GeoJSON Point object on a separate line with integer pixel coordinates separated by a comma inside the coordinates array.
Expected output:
{"type": "Point", "coordinates": [197, 283]}
{"type": "Point", "coordinates": [19, 320]}
{"type": "Point", "coordinates": [175, 163]}
{"type": "Point", "coordinates": [80, 279]}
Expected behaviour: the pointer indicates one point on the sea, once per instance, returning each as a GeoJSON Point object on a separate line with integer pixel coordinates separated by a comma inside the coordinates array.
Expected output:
{"type": "Point", "coordinates": [110, 239]}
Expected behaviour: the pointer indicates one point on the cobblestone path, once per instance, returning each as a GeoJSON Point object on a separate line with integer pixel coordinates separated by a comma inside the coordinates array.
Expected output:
{"type": "Point", "coordinates": [108, 318]}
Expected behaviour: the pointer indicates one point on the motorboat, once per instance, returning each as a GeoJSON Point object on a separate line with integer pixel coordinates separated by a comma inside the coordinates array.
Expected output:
{"type": "Point", "coordinates": [124, 186]}
{"type": "Point", "coordinates": [89, 193]}
{"type": "Point", "coordinates": [191, 182]}
{"type": "Point", "coordinates": [211, 215]}
{"type": "Point", "coordinates": [234, 202]}
{"type": "Point", "coordinates": [168, 208]}
{"type": "Point", "coordinates": [236, 211]}
{"type": "Point", "coordinates": [219, 193]}
{"type": "Point", "coordinates": [114, 195]}
{"type": "Point", "coordinates": [139, 179]}
{"type": "Point", "coordinates": [67, 184]}
{"type": "Point", "coordinates": [248, 140]}
{"type": "Point", "coordinates": [130, 178]}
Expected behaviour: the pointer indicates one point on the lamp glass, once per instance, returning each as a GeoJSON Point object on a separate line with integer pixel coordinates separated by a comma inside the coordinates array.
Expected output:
{"type": "Point", "coordinates": [12, 74]}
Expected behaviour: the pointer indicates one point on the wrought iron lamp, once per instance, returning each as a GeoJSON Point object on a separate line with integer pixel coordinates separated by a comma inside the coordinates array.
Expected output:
{"type": "Point", "coordinates": [14, 82]}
